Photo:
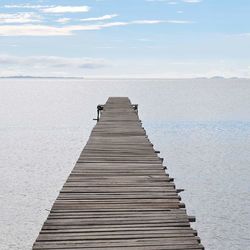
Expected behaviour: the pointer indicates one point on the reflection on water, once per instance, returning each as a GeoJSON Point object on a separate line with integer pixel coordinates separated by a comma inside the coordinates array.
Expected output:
{"type": "Point", "coordinates": [201, 127]}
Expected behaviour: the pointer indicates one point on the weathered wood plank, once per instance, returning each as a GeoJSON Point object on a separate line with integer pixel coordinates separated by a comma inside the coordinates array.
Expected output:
{"type": "Point", "coordinates": [118, 196]}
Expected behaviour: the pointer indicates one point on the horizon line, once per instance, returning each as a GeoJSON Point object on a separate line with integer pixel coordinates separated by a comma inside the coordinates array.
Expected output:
{"type": "Point", "coordinates": [118, 77]}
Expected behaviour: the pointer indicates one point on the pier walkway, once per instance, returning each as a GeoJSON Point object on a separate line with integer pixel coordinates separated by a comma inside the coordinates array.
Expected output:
{"type": "Point", "coordinates": [118, 195]}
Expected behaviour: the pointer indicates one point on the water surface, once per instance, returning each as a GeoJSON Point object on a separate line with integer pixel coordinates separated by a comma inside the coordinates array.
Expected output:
{"type": "Point", "coordinates": [201, 127]}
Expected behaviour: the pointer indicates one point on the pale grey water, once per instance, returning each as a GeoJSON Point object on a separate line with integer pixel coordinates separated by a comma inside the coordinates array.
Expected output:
{"type": "Point", "coordinates": [201, 127]}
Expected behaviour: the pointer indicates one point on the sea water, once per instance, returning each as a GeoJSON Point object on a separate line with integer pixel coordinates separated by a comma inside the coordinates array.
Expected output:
{"type": "Point", "coordinates": [201, 127]}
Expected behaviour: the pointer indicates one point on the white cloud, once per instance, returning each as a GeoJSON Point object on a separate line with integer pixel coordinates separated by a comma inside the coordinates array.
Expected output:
{"type": "Point", "coordinates": [65, 66]}
{"type": "Point", "coordinates": [51, 8]}
{"type": "Point", "coordinates": [49, 64]}
{"type": "Point", "coordinates": [46, 30]}
{"type": "Point", "coordinates": [24, 17]}
{"type": "Point", "coordinates": [112, 24]}
{"type": "Point", "coordinates": [66, 9]}
{"type": "Point", "coordinates": [26, 6]}
{"type": "Point", "coordinates": [148, 21]}
{"type": "Point", "coordinates": [32, 30]}
{"type": "Point", "coordinates": [63, 20]}
{"type": "Point", "coordinates": [191, 1]}
{"type": "Point", "coordinates": [101, 18]}
{"type": "Point", "coordinates": [161, 21]}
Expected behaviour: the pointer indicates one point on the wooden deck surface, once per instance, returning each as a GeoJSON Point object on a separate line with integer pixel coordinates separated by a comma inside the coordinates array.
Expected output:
{"type": "Point", "coordinates": [118, 195]}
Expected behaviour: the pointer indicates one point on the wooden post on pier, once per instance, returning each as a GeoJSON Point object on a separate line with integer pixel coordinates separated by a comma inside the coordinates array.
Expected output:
{"type": "Point", "coordinates": [118, 195]}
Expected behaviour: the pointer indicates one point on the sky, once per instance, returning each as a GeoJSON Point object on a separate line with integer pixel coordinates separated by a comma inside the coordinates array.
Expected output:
{"type": "Point", "coordinates": [125, 38]}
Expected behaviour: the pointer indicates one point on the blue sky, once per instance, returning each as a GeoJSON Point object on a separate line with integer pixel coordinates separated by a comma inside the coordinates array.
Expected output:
{"type": "Point", "coordinates": [132, 38]}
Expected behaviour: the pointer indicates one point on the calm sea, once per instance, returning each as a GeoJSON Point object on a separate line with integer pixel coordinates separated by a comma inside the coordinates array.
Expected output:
{"type": "Point", "coordinates": [201, 127]}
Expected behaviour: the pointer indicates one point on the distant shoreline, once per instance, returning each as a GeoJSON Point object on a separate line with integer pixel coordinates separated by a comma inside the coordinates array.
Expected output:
{"type": "Point", "coordinates": [40, 77]}
{"type": "Point", "coordinates": [124, 78]}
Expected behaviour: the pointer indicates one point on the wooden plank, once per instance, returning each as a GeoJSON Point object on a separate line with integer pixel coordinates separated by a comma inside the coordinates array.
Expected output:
{"type": "Point", "coordinates": [118, 196]}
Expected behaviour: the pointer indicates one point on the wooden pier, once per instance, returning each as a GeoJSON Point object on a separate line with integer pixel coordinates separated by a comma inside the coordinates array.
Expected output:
{"type": "Point", "coordinates": [118, 196]}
